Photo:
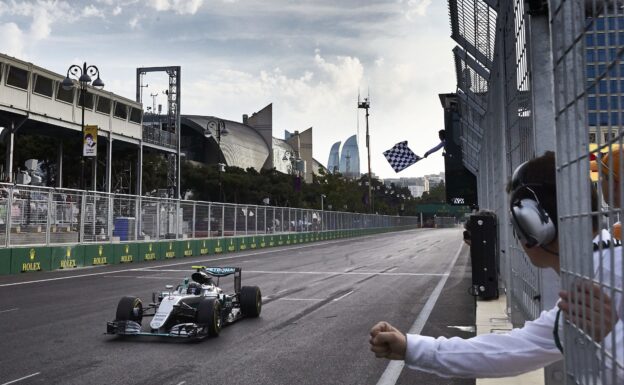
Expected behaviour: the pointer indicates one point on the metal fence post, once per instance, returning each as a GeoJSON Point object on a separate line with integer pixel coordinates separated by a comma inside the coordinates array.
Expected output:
{"type": "Point", "coordinates": [158, 219]}
{"type": "Point", "coordinates": [209, 220]}
{"type": "Point", "coordinates": [49, 218]}
{"type": "Point", "coordinates": [138, 204]}
{"type": "Point", "coordinates": [193, 223]}
{"type": "Point", "coordinates": [111, 202]}
{"type": "Point", "coordinates": [83, 209]}
{"type": "Point", "coordinates": [9, 217]}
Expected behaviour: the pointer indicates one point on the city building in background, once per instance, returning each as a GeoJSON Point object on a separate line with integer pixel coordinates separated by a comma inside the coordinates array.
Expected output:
{"type": "Point", "coordinates": [605, 99]}
{"type": "Point", "coordinates": [350, 158]}
{"type": "Point", "coordinates": [333, 163]}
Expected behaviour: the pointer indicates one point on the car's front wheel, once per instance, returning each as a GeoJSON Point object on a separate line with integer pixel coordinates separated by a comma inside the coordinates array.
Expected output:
{"type": "Point", "coordinates": [250, 301]}
{"type": "Point", "coordinates": [129, 309]}
{"type": "Point", "coordinates": [209, 315]}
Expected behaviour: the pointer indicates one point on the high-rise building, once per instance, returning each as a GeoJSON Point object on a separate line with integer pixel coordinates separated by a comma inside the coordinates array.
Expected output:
{"type": "Point", "coordinates": [350, 158]}
{"type": "Point", "coordinates": [605, 96]}
{"type": "Point", "coordinates": [333, 163]}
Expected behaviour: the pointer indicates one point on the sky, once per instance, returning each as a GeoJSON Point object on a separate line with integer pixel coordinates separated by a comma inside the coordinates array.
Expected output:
{"type": "Point", "coordinates": [310, 58]}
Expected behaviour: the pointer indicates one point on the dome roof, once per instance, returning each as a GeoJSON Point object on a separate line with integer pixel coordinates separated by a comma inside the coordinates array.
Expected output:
{"type": "Point", "coordinates": [242, 146]}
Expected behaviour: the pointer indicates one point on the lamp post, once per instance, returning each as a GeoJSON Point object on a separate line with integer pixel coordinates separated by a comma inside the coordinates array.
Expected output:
{"type": "Point", "coordinates": [83, 75]}
{"type": "Point", "coordinates": [218, 126]}
{"type": "Point", "coordinates": [323, 196]}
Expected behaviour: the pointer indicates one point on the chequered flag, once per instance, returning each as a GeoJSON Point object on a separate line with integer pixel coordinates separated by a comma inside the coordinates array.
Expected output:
{"type": "Point", "coordinates": [400, 156]}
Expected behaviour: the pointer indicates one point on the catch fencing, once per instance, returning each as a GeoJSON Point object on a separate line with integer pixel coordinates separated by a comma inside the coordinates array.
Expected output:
{"type": "Point", "coordinates": [33, 216]}
{"type": "Point", "coordinates": [534, 76]}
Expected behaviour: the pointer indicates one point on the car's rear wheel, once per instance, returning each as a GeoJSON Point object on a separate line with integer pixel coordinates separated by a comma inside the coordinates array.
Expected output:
{"type": "Point", "coordinates": [129, 309]}
{"type": "Point", "coordinates": [209, 315]}
{"type": "Point", "coordinates": [251, 301]}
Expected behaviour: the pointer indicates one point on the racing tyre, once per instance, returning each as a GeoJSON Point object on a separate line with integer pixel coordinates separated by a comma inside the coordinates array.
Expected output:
{"type": "Point", "coordinates": [209, 314]}
{"type": "Point", "coordinates": [129, 309]}
{"type": "Point", "coordinates": [250, 301]}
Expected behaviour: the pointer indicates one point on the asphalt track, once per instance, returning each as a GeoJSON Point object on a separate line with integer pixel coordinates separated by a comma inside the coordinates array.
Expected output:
{"type": "Point", "coordinates": [320, 300]}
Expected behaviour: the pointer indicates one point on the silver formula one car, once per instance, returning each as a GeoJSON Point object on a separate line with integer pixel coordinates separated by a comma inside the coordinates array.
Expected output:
{"type": "Point", "coordinates": [196, 308]}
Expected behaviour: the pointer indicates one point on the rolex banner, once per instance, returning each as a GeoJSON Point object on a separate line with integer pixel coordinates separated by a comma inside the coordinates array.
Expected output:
{"type": "Point", "coordinates": [89, 140]}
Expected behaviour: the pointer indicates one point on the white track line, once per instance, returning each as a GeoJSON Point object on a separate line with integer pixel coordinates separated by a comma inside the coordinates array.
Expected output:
{"type": "Point", "coordinates": [342, 296]}
{"type": "Point", "coordinates": [23, 378]}
{"type": "Point", "coordinates": [8, 310]}
{"type": "Point", "coordinates": [394, 368]}
{"type": "Point", "coordinates": [300, 299]}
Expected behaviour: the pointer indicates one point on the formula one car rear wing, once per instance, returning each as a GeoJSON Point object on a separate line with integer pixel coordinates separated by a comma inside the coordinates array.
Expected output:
{"type": "Point", "coordinates": [202, 273]}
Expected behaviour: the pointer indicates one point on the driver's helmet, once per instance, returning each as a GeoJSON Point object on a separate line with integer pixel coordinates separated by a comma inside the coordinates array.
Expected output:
{"type": "Point", "coordinates": [193, 288]}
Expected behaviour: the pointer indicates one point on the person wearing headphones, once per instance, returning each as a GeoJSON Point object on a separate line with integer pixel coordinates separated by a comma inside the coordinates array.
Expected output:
{"type": "Point", "coordinates": [533, 209]}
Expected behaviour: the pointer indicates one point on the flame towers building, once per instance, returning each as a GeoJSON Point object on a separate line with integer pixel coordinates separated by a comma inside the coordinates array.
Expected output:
{"type": "Point", "coordinates": [345, 160]}
{"type": "Point", "coordinates": [333, 164]}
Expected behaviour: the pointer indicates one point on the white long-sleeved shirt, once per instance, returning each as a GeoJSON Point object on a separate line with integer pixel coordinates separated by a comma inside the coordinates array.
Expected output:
{"type": "Point", "coordinates": [519, 351]}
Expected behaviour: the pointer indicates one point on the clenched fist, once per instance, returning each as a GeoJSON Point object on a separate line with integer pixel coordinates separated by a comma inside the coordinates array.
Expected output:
{"type": "Point", "coordinates": [387, 342]}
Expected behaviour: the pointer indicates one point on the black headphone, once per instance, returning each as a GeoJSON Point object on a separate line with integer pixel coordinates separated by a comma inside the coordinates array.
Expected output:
{"type": "Point", "coordinates": [531, 222]}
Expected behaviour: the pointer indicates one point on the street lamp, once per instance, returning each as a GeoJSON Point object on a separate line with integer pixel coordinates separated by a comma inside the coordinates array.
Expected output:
{"type": "Point", "coordinates": [83, 75]}
{"type": "Point", "coordinates": [323, 196]}
{"type": "Point", "coordinates": [366, 105]}
{"type": "Point", "coordinates": [218, 126]}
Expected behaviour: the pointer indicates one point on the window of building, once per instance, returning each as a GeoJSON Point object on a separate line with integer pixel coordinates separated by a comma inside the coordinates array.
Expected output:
{"type": "Point", "coordinates": [121, 111]}
{"type": "Point", "coordinates": [135, 115]}
{"type": "Point", "coordinates": [601, 39]}
{"type": "Point", "coordinates": [591, 103]}
{"type": "Point", "coordinates": [103, 105]}
{"type": "Point", "coordinates": [592, 118]}
{"type": "Point", "coordinates": [64, 95]}
{"type": "Point", "coordinates": [592, 137]}
{"type": "Point", "coordinates": [602, 55]}
{"type": "Point", "coordinates": [44, 86]}
{"type": "Point", "coordinates": [602, 86]}
{"type": "Point", "coordinates": [17, 77]}
{"type": "Point", "coordinates": [614, 102]}
{"type": "Point", "coordinates": [603, 103]}
{"type": "Point", "coordinates": [88, 100]}
{"type": "Point", "coordinates": [591, 56]}
{"type": "Point", "coordinates": [589, 40]}
{"type": "Point", "coordinates": [601, 69]}
{"type": "Point", "coordinates": [591, 71]}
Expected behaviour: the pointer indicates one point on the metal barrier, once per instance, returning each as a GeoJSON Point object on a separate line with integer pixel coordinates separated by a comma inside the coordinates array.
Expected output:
{"type": "Point", "coordinates": [32, 215]}
{"type": "Point", "coordinates": [533, 77]}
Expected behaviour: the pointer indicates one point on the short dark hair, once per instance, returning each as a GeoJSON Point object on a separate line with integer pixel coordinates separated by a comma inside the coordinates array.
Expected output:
{"type": "Point", "coordinates": [539, 174]}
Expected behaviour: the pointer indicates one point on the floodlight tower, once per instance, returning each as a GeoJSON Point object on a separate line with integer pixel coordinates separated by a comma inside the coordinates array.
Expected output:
{"type": "Point", "coordinates": [365, 104]}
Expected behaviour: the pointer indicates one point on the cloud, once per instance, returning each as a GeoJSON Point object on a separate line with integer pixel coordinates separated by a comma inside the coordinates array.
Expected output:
{"type": "Point", "coordinates": [181, 7]}
{"type": "Point", "coordinates": [134, 22]}
{"type": "Point", "coordinates": [12, 42]}
{"type": "Point", "coordinates": [91, 11]}
{"type": "Point", "coordinates": [42, 14]}
{"type": "Point", "coordinates": [416, 8]}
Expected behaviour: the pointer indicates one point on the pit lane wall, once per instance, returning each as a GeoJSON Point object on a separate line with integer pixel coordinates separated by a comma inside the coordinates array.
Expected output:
{"type": "Point", "coordinates": [19, 260]}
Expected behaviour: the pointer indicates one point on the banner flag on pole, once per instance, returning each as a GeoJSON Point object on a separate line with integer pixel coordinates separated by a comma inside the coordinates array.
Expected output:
{"type": "Point", "coordinates": [400, 156]}
{"type": "Point", "coordinates": [90, 136]}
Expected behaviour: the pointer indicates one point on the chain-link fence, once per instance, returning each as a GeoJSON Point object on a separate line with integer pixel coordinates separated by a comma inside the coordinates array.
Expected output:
{"type": "Point", "coordinates": [534, 76]}
{"type": "Point", "coordinates": [42, 216]}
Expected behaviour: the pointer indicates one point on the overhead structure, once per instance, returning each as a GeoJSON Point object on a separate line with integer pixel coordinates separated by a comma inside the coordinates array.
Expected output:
{"type": "Point", "coordinates": [473, 27]}
{"type": "Point", "coordinates": [171, 130]}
